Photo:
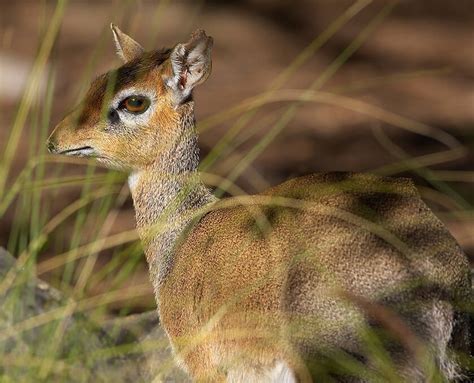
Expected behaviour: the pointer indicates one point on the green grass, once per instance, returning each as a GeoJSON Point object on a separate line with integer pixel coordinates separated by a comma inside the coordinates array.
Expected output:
{"type": "Point", "coordinates": [65, 246]}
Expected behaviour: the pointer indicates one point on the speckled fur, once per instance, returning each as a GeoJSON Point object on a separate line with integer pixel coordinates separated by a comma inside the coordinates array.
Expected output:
{"type": "Point", "coordinates": [281, 287]}
{"type": "Point", "coordinates": [159, 203]}
{"type": "Point", "coordinates": [256, 288]}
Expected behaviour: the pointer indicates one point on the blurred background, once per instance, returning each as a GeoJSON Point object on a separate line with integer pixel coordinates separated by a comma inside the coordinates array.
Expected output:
{"type": "Point", "coordinates": [407, 65]}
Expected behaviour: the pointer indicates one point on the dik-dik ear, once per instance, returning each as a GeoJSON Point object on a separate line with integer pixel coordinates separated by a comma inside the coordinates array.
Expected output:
{"type": "Point", "coordinates": [191, 65]}
{"type": "Point", "coordinates": [127, 48]}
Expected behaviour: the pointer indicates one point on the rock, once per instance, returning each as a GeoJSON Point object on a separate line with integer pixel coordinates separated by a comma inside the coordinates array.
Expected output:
{"type": "Point", "coordinates": [158, 364]}
{"type": "Point", "coordinates": [40, 341]}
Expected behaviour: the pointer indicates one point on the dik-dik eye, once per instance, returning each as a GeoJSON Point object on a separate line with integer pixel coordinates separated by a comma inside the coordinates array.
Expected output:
{"type": "Point", "coordinates": [135, 104]}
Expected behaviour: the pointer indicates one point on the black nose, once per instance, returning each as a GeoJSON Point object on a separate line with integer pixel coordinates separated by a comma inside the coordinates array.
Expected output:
{"type": "Point", "coordinates": [51, 146]}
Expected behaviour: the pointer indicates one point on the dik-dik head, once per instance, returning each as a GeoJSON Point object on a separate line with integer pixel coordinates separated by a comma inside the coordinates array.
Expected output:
{"type": "Point", "coordinates": [133, 115]}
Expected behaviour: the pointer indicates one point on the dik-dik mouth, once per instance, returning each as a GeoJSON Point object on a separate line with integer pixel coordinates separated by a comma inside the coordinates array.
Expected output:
{"type": "Point", "coordinates": [83, 151]}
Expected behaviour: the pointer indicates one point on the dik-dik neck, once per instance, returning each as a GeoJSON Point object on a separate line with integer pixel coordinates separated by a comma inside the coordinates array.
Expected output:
{"type": "Point", "coordinates": [167, 194]}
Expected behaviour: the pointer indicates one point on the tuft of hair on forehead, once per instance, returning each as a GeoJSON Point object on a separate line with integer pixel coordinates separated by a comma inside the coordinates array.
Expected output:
{"type": "Point", "coordinates": [137, 68]}
{"type": "Point", "coordinates": [130, 72]}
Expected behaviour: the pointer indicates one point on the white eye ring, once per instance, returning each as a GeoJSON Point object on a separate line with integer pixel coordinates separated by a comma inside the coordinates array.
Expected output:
{"type": "Point", "coordinates": [129, 118]}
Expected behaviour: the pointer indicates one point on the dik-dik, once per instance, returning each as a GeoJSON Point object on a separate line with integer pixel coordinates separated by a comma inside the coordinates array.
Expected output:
{"type": "Point", "coordinates": [270, 287]}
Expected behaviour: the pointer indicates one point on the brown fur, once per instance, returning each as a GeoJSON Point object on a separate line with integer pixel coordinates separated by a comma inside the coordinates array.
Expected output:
{"type": "Point", "coordinates": [278, 281]}
{"type": "Point", "coordinates": [275, 292]}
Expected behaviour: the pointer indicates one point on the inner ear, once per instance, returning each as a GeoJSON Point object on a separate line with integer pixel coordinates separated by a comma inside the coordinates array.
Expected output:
{"type": "Point", "coordinates": [191, 65]}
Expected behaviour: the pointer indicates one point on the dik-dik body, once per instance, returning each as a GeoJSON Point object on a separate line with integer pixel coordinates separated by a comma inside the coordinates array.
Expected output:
{"type": "Point", "coordinates": [268, 288]}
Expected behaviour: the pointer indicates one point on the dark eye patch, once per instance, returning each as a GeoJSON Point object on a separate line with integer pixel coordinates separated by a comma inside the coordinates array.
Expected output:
{"type": "Point", "coordinates": [113, 116]}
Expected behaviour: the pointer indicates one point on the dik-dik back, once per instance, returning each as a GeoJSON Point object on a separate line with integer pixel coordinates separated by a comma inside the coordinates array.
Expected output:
{"type": "Point", "coordinates": [293, 284]}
